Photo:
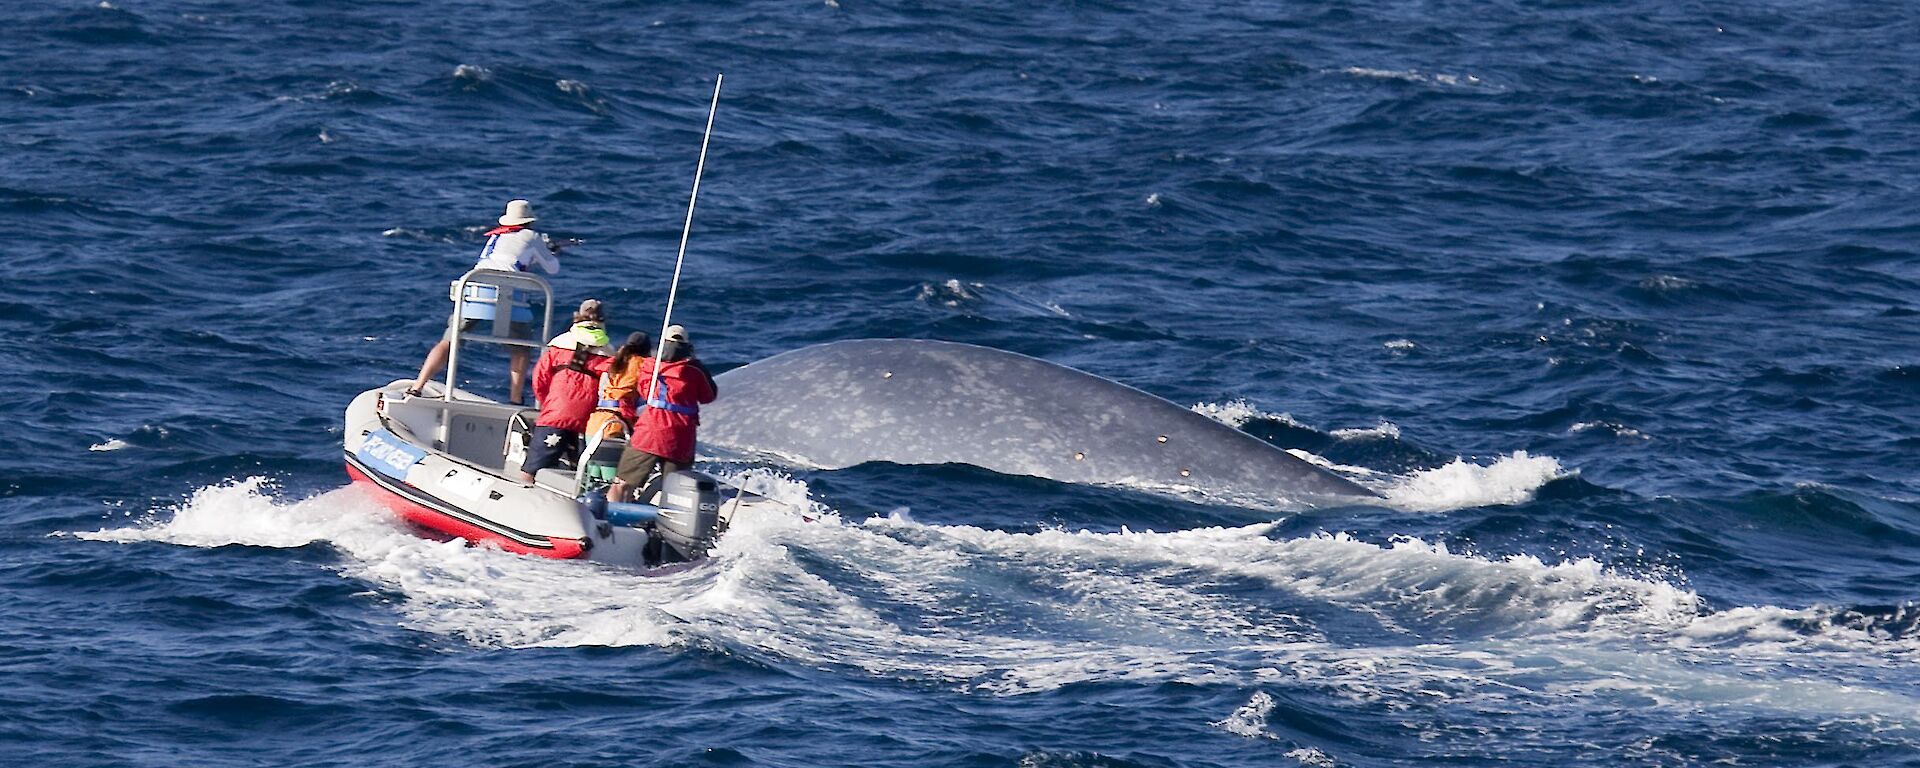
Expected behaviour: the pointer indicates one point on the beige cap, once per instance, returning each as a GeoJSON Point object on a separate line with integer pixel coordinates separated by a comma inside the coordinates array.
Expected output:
{"type": "Point", "coordinates": [676, 333]}
{"type": "Point", "coordinates": [518, 212]}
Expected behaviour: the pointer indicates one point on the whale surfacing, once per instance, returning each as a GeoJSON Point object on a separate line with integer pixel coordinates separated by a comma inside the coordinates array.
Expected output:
{"type": "Point", "coordinates": [911, 401]}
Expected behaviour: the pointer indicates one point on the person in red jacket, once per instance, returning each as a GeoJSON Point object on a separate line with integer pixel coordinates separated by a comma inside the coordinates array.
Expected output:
{"type": "Point", "coordinates": [664, 432]}
{"type": "Point", "coordinates": [566, 382]}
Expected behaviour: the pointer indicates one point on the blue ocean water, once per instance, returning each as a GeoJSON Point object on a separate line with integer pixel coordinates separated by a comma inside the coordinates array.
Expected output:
{"type": "Point", "coordinates": [1615, 302]}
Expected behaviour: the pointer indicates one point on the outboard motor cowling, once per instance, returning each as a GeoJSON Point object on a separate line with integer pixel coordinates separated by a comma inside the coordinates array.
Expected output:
{"type": "Point", "coordinates": [689, 512]}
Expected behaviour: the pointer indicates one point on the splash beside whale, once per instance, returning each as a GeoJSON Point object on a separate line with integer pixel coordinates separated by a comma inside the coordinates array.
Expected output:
{"type": "Point", "coordinates": [911, 401]}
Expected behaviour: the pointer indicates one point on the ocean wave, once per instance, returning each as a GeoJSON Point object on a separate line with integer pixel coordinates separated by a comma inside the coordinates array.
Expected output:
{"type": "Point", "coordinates": [472, 75]}
{"type": "Point", "coordinates": [1240, 413]}
{"type": "Point", "coordinates": [1618, 430]}
{"type": "Point", "coordinates": [584, 95]}
{"type": "Point", "coordinates": [1349, 470]}
{"type": "Point", "coordinates": [1250, 720]}
{"type": "Point", "coordinates": [1385, 430]}
{"type": "Point", "coordinates": [1459, 484]}
{"type": "Point", "coordinates": [1417, 76]}
{"type": "Point", "coordinates": [976, 298]}
{"type": "Point", "coordinates": [1510, 479]}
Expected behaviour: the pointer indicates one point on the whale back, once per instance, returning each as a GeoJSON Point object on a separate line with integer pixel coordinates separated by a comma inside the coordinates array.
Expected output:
{"type": "Point", "coordinates": [911, 401]}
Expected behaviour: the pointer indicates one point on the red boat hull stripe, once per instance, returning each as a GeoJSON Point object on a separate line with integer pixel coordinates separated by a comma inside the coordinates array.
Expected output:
{"type": "Point", "coordinates": [415, 512]}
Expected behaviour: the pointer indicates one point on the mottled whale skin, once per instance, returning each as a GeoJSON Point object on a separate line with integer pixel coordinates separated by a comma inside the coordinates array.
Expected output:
{"type": "Point", "coordinates": [911, 401]}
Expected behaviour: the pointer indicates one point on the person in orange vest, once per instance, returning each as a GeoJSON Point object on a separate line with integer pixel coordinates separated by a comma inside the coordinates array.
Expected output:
{"type": "Point", "coordinates": [669, 418]}
{"type": "Point", "coordinates": [614, 412]}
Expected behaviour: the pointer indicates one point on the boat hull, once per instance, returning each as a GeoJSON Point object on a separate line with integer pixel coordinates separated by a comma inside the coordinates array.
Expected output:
{"type": "Point", "coordinates": [464, 491]}
{"type": "Point", "coordinates": [443, 520]}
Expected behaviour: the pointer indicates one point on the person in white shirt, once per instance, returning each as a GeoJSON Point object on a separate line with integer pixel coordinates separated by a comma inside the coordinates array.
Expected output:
{"type": "Point", "coordinates": [511, 247]}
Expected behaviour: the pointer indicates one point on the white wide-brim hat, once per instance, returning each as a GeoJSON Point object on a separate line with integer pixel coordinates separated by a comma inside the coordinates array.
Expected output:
{"type": "Point", "coordinates": [518, 212]}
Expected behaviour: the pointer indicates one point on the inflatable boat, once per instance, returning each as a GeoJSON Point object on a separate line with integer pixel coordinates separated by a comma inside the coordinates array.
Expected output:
{"type": "Point", "coordinates": [447, 461]}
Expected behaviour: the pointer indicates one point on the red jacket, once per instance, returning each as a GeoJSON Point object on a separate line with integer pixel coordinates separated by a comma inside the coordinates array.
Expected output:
{"type": "Point", "coordinates": [567, 396]}
{"type": "Point", "coordinates": [667, 429]}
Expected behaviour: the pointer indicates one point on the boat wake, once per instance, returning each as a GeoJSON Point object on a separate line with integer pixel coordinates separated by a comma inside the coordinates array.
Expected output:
{"type": "Point", "coordinates": [1009, 613]}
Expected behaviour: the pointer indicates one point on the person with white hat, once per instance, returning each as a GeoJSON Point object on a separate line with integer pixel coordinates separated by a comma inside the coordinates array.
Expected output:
{"type": "Point", "coordinates": [665, 430]}
{"type": "Point", "coordinates": [511, 247]}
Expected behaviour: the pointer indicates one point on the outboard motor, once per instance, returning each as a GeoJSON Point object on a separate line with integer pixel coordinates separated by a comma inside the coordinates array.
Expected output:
{"type": "Point", "coordinates": [689, 511]}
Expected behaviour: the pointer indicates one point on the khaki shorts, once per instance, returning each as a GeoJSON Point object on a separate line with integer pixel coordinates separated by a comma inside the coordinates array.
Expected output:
{"type": "Point", "coordinates": [519, 330]}
{"type": "Point", "coordinates": [637, 468]}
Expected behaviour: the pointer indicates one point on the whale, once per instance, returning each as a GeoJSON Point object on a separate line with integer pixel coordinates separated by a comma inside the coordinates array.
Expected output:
{"type": "Point", "coordinates": [916, 402]}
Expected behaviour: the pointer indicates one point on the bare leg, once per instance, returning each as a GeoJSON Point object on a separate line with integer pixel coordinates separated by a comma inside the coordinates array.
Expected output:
{"type": "Point", "coordinates": [617, 492]}
{"type": "Point", "coordinates": [517, 376]}
{"type": "Point", "coordinates": [436, 359]}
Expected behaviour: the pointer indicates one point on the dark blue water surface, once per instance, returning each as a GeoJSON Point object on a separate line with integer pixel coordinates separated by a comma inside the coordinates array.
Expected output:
{"type": "Point", "coordinates": [1615, 302]}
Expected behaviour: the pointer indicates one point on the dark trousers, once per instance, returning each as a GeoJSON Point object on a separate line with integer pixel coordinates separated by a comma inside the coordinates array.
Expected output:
{"type": "Point", "coordinates": [643, 473]}
{"type": "Point", "coordinates": [550, 447]}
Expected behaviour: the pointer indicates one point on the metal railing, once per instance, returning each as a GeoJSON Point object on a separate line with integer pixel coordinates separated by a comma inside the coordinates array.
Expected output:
{"type": "Point", "coordinates": [504, 285]}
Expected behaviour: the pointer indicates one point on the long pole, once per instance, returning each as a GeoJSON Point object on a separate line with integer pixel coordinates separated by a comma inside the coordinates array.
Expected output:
{"type": "Point", "coordinates": [674, 291]}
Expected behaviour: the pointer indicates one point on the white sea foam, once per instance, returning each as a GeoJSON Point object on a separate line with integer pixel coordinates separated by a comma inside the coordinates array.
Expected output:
{"type": "Point", "coordinates": [1416, 76]}
{"type": "Point", "coordinates": [1400, 345]}
{"type": "Point", "coordinates": [955, 294]}
{"type": "Point", "coordinates": [419, 235]}
{"type": "Point", "coordinates": [1011, 612]}
{"type": "Point", "coordinates": [1619, 430]}
{"type": "Point", "coordinates": [1511, 479]}
{"type": "Point", "coordinates": [110, 444]}
{"type": "Point", "coordinates": [1667, 284]}
{"type": "Point", "coordinates": [243, 512]}
{"type": "Point", "coordinates": [1326, 463]}
{"type": "Point", "coordinates": [584, 95]}
{"type": "Point", "coordinates": [1250, 720]}
{"type": "Point", "coordinates": [1312, 757]}
{"type": "Point", "coordinates": [472, 74]}
{"type": "Point", "coordinates": [1386, 430]}
{"type": "Point", "coordinates": [1408, 75]}
{"type": "Point", "coordinates": [1237, 413]}
{"type": "Point", "coordinates": [484, 596]}
{"type": "Point", "coordinates": [951, 293]}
